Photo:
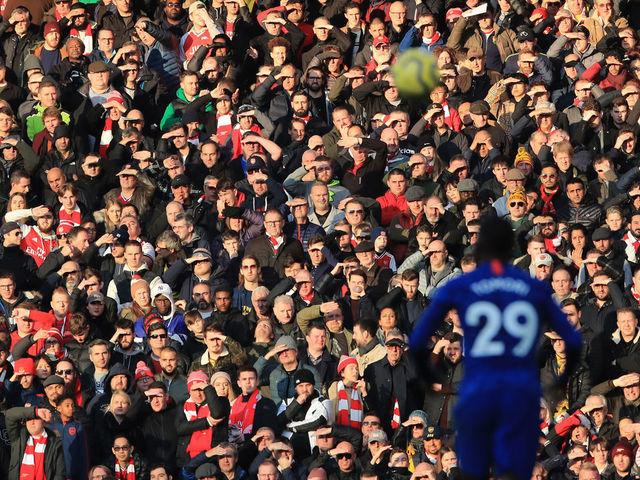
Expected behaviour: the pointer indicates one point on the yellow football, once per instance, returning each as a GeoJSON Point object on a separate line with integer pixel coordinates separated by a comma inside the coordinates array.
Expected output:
{"type": "Point", "coordinates": [415, 73]}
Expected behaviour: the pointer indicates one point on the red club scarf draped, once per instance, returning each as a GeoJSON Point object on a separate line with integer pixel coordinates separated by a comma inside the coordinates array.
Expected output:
{"type": "Point", "coordinates": [33, 459]}
{"type": "Point", "coordinates": [349, 412]}
{"type": "Point", "coordinates": [128, 474]}
{"type": "Point", "coordinates": [395, 420]}
{"type": "Point", "coordinates": [547, 199]}
{"type": "Point", "coordinates": [243, 413]}
{"type": "Point", "coordinates": [87, 40]}
{"type": "Point", "coordinates": [200, 439]}
{"type": "Point", "coordinates": [224, 127]}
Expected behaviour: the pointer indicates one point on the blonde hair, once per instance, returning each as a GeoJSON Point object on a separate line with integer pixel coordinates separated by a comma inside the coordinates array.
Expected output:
{"type": "Point", "coordinates": [118, 393]}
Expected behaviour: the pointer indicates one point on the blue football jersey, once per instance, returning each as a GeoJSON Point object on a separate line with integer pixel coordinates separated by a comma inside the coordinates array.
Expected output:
{"type": "Point", "coordinates": [502, 311]}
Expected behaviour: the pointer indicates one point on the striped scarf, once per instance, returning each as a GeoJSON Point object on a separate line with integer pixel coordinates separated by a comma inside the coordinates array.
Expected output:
{"type": "Point", "coordinates": [106, 137]}
{"type": "Point", "coordinates": [224, 128]}
{"type": "Point", "coordinates": [243, 413]}
{"type": "Point", "coordinates": [395, 420]}
{"type": "Point", "coordinates": [200, 439]}
{"type": "Point", "coordinates": [33, 459]}
{"type": "Point", "coordinates": [87, 38]}
{"type": "Point", "coordinates": [128, 474]}
{"type": "Point", "coordinates": [349, 413]}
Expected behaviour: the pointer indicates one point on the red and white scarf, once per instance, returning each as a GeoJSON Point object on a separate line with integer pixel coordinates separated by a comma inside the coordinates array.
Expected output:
{"type": "Point", "coordinates": [87, 38]}
{"type": "Point", "coordinates": [431, 41]}
{"type": "Point", "coordinates": [349, 412]}
{"type": "Point", "coordinates": [224, 127]}
{"type": "Point", "coordinates": [200, 439]}
{"type": "Point", "coordinates": [33, 459]}
{"type": "Point", "coordinates": [243, 413]}
{"type": "Point", "coordinates": [395, 420]}
{"type": "Point", "coordinates": [547, 199]}
{"type": "Point", "coordinates": [128, 474]}
{"type": "Point", "coordinates": [106, 137]}
{"type": "Point", "coordinates": [276, 243]}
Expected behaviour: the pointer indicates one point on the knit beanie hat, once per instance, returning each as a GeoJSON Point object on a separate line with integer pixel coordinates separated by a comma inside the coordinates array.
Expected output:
{"type": "Point", "coordinates": [142, 370]}
{"type": "Point", "coordinates": [518, 195]}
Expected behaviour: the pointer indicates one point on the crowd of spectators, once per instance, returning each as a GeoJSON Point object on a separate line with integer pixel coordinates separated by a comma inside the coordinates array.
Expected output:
{"type": "Point", "coordinates": [220, 222]}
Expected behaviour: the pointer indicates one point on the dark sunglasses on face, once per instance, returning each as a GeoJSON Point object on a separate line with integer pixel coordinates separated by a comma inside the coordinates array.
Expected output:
{"type": "Point", "coordinates": [158, 335]}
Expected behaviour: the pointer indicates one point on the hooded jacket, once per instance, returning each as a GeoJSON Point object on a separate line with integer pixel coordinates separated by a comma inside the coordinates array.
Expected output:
{"type": "Point", "coordinates": [173, 321]}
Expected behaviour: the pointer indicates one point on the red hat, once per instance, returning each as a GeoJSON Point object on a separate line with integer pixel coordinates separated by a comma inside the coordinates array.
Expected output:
{"type": "Point", "coordinates": [540, 11]}
{"type": "Point", "coordinates": [623, 447]}
{"type": "Point", "coordinates": [51, 27]}
{"type": "Point", "coordinates": [142, 370]}
{"type": "Point", "coordinates": [150, 319]}
{"type": "Point", "coordinates": [115, 96]}
{"type": "Point", "coordinates": [64, 228]}
{"type": "Point", "coordinates": [379, 40]}
{"type": "Point", "coordinates": [197, 376]}
{"type": "Point", "coordinates": [55, 333]}
{"type": "Point", "coordinates": [453, 13]}
{"type": "Point", "coordinates": [346, 361]}
{"type": "Point", "coordinates": [25, 366]}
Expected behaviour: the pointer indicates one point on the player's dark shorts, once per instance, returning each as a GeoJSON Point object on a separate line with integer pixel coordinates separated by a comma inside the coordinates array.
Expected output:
{"type": "Point", "coordinates": [497, 421]}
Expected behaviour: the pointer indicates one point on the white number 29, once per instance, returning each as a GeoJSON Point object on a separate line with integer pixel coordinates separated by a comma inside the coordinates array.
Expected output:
{"type": "Point", "coordinates": [519, 319]}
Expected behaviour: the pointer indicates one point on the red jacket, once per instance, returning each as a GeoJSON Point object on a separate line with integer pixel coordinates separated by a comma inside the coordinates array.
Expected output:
{"type": "Point", "coordinates": [391, 206]}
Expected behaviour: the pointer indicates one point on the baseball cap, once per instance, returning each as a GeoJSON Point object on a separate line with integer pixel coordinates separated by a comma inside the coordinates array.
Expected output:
{"type": "Point", "coordinates": [395, 342]}
{"type": "Point", "coordinates": [255, 162]}
{"type": "Point", "coordinates": [526, 35]}
{"type": "Point", "coordinates": [432, 432]}
{"type": "Point", "coordinates": [95, 298]}
{"type": "Point", "coordinates": [246, 111]}
{"type": "Point", "coordinates": [379, 40]}
{"type": "Point", "coordinates": [180, 181]}
{"type": "Point", "coordinates": [195, 6]}
{"type": "Point", "coordinates": [543, 259]}
{"type": "Point", "coordinates": [197, 376]}
{"type": "Point", "coordinates": [378, 436]}
{"type": "Point", "coordinates": [202, 253]}
{"type": "Point", "coordinates": [453, 13]}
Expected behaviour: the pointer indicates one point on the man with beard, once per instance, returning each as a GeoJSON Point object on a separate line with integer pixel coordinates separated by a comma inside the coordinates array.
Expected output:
{"type": "Point", "coordinates": [553, 241]}
{"type": "Point", "coordinates": [202, 296]}
{"type": "Point", "coordinates": [631, 238]}
{"type": "Point", "coordinates": [612, 258]}
{"type": "Point", "coordinates": [315, 83]}
{"type": "Point", "coordinates": [302, 103]}
{"type": "Point", "coordinates": [319, 170]}
{"type": "Point", "coordinates": [126, 351]}
{"type": "Point", "coordinates": [171, 376]}
{"type": "Point", "coordinates": [174, 18]}
{"type": "Point", "coordinates": [40, 239]}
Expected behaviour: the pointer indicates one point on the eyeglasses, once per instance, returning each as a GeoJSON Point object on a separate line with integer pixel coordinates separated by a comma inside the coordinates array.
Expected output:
{"type": "Point", "coordinates": [546, 224]}
{"type": "Point", "coordinates": [322, 169]}
{"type": "Point", "coordinates": [516, 204]}
{"type": "Point", "coordinates": [68, 371]}
{"type": "Point", "coordinates": [7, 287]}
{"type": "Point", "coordinates": [158, 335]}
{"type": "Point", "coordinates": [250, 267]}
{"type": "Point", "coordinates": [548, 175]}
{"type": "Point", "coordinates": [120, 448]}
{"type": "Point", "coordinates": [343, 456]}
{"type": "Point", "coordinates": [272, 222]}
{"type": "Point", "coordinates": [372, 423]}
{"type": "Point", "coordinates": [356, 212]}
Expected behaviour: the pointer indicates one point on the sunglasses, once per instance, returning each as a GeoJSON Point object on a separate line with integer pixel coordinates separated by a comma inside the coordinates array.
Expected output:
{"type": "Point", "coordinates": [120, 448]}
{"type": "Point", "coordinates": [359, 212]}
{"type": "Point", "coordinates": [548, 175]}
{"type": "Point", "coordinates": [343, 456]}
{"type": "Point", "coordinates": [158, 335]}
{"type": "Point", "coordinates": [516, 204]}
{"type": "Point", "coordinates": [68, 371]}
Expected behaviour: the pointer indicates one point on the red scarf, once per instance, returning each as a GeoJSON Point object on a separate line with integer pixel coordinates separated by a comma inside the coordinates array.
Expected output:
{"type": "Point", "coordinates": [349, 413]}
{"type": "Point", "coordinates": [32, 466]}
{"type": "Point", "coordinates": [547, 199]}
{"type": "Point", "coordinates": [395, 420]}
{"type": "Point", "coordinates": [243, 413]}
{"type": "Point", "coordinates": [432, 40]}
{"type": "Point", "coordinates": [276, 243]}
{"type": "Point", "coordinates": [635, 294]}
{"type": "Point", "coordinates": [200, 439]}
{"type": "Point", "coordinates": [236, 138]}
{"type": "Point", "coordinates": [304, 119]}
{"type": "Point", "coordinates": [224, 127]}
{"type": "Point", "coordinates": [87, 40]}
{"type": "Point", "coordinates": [77, 391]}
{"type": "Point", "coordinates": [106, 137]}
{"type": "Point", "coordinates": [128, 474]}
